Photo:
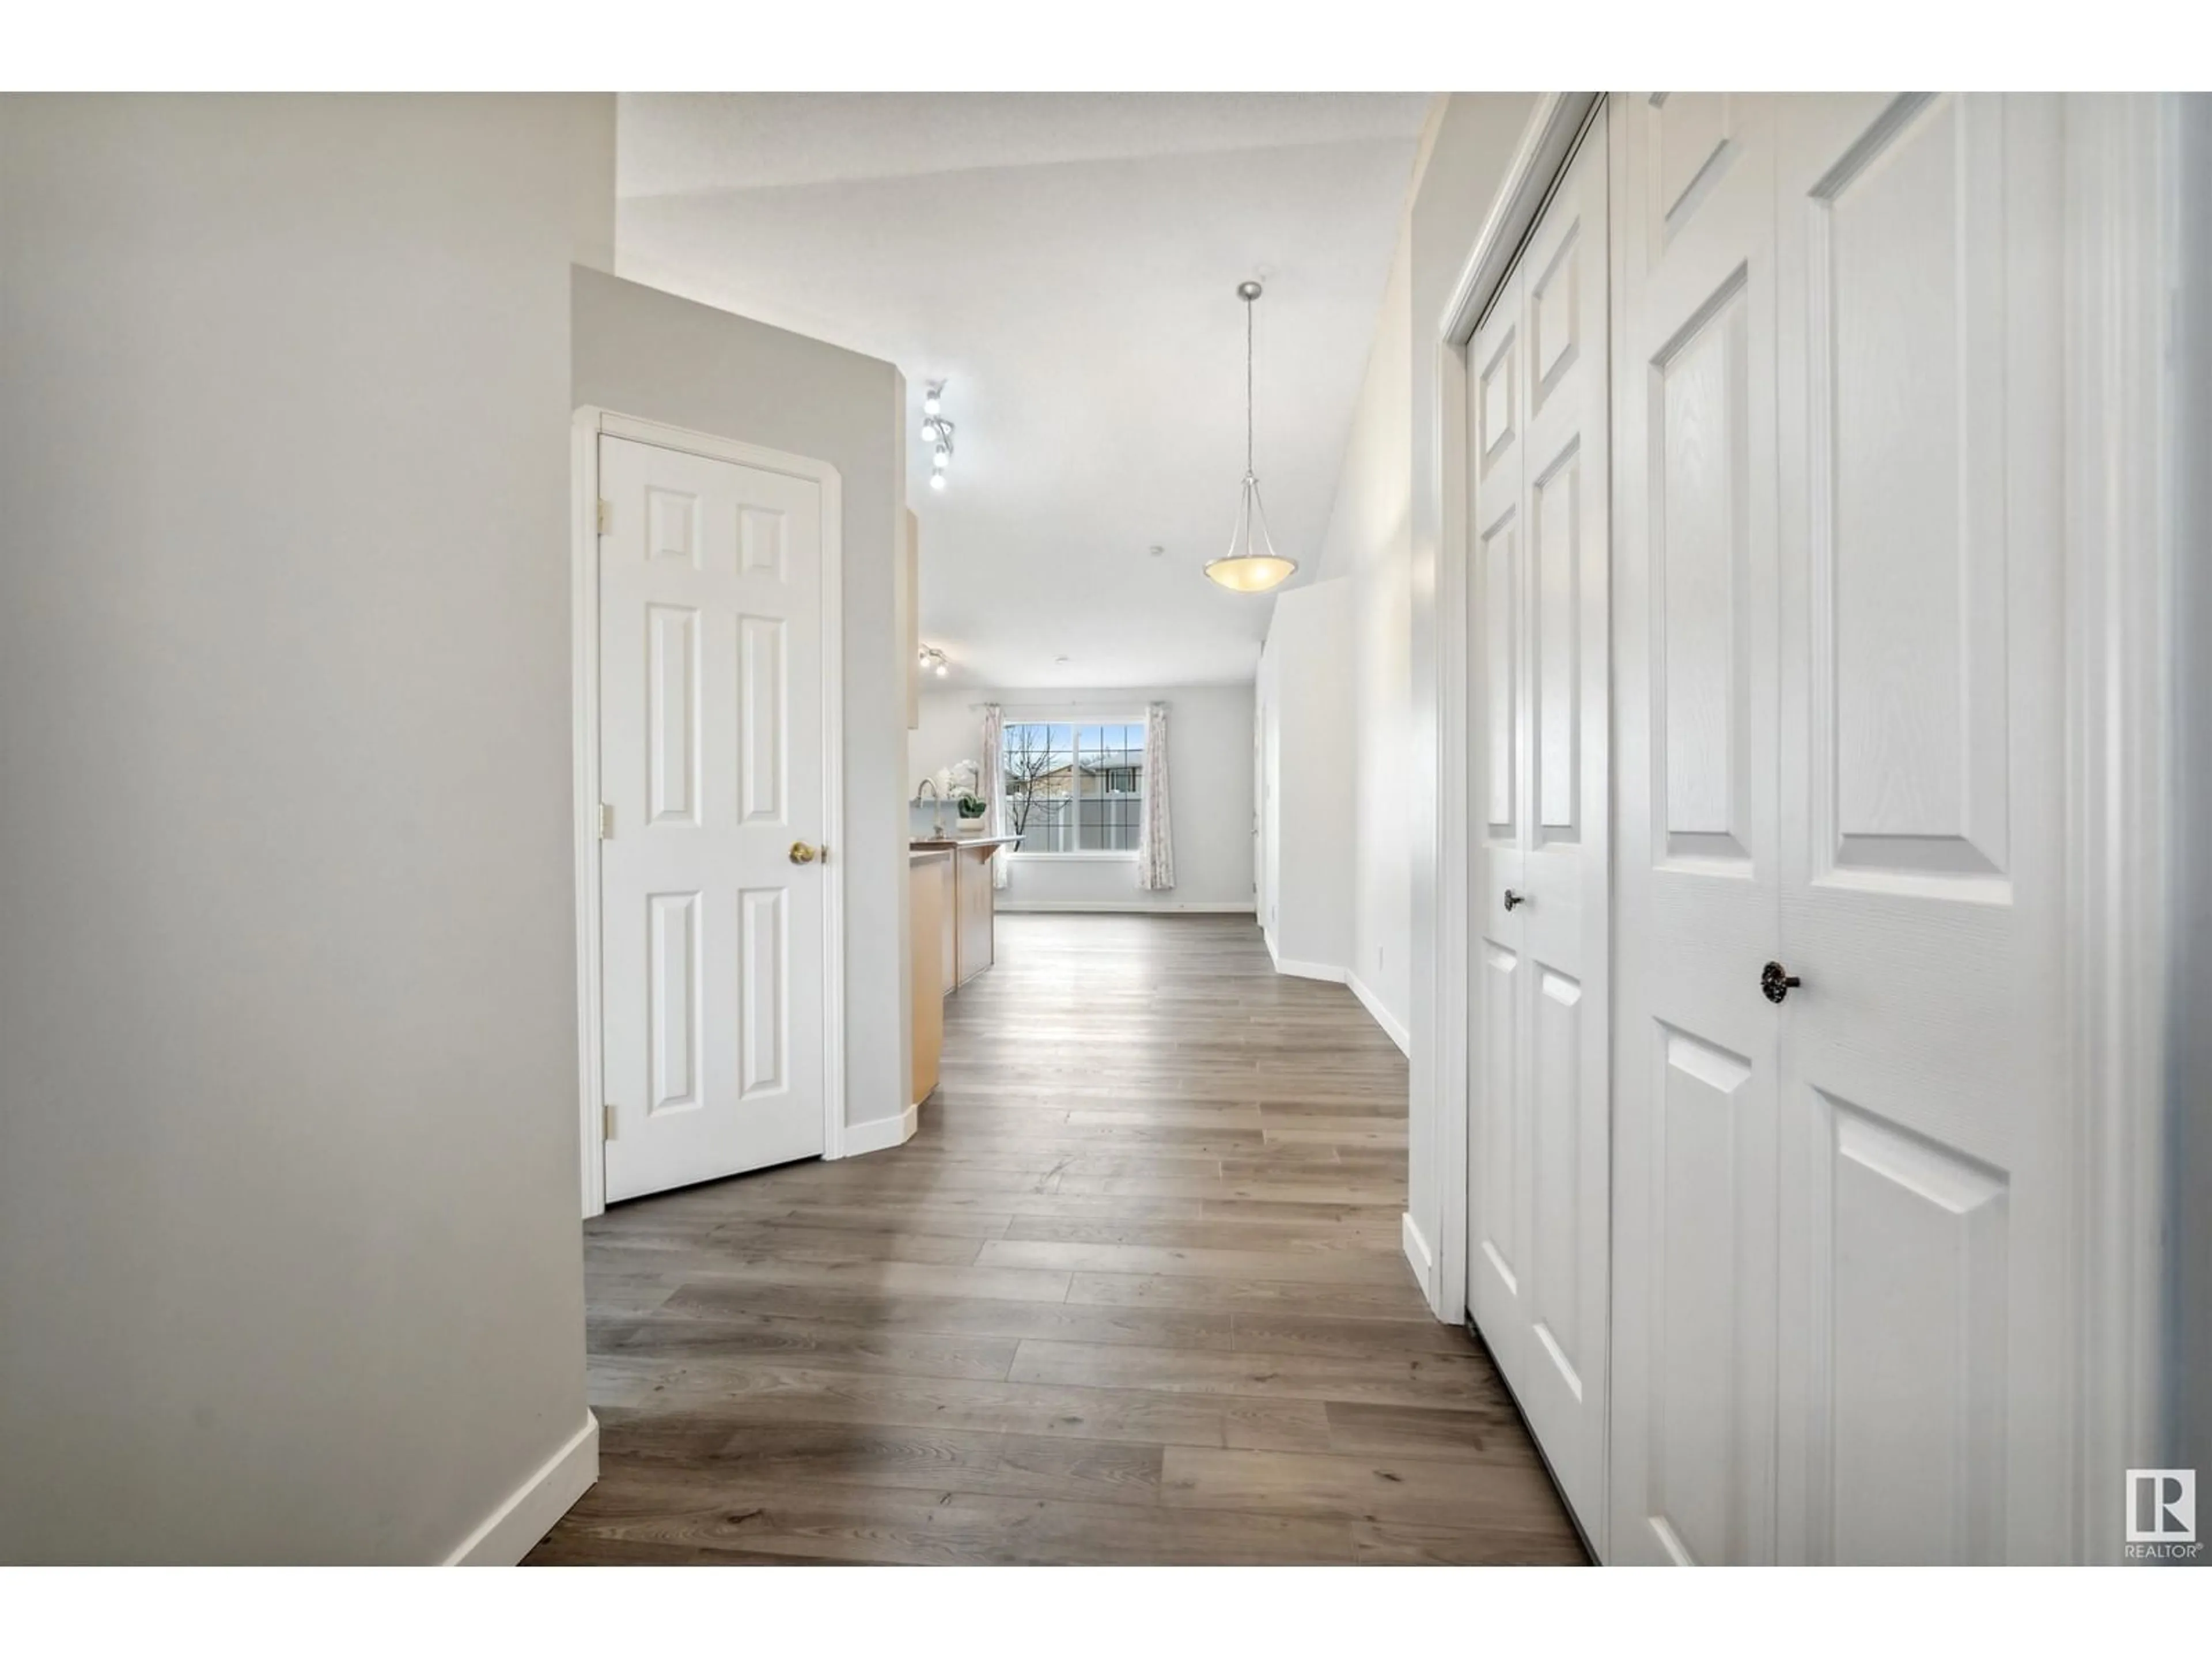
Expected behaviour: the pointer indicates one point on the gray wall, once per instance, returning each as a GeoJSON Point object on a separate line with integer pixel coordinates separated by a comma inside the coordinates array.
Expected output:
{"type": "Point", "coordinates": [1210, 775]}
{"type": "Point", "coordinates": [641, 352]}
{"type": "Point", "coordinates": [2188, 1270]}
{"type": "Point", "coordinates": [1309, 715]}
{"type": "Point", "coordinates": [288, 1258]}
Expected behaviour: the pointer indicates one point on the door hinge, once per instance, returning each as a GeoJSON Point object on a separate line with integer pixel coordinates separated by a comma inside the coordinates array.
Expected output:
{"type": "Point", "coordinates": [606, 515]}
{"type": "Point", "coordinates": [606, 822]}
{"type": "Point", "coordinates": [607, 1119]}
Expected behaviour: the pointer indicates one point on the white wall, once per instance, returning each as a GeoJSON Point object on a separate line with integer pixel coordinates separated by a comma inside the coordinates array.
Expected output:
{"type": "Point", "coordinates": [1307, 722]}
{"type": "Point", "coordinates": [641, 352]}
{"type": "Point", "coordinates": [1368, 547]}
{"type": "Point", "coordinates": [1210, 773]}
{"type": "Point", "coordinates": [289, 1268]}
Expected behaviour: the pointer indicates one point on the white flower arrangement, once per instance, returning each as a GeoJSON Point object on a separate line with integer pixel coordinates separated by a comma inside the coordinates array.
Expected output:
{"type": "Point", "coordinates": [961, 779]}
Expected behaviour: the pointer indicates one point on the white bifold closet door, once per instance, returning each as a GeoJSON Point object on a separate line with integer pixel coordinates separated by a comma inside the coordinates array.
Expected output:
{"type": "Point", "coordinates": [1843, 1226]}
{"type": "Point", "coordinates": [1538, 1140]}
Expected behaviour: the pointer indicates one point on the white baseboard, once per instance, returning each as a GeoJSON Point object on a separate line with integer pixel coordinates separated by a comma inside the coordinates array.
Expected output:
{"type": "Point", "coordinates": [1120, 906]}
{"type": "Point", "coordinates": [878, 1134]}
{"type": "Point", "coordinates": [1391, 1026]}
{"type": "Point", "coordinates": [1297, 969]}
{"type": "Point", "coordinates": [1418, 1253]}
{"type": "Point", "coordinates": [512, 1529]}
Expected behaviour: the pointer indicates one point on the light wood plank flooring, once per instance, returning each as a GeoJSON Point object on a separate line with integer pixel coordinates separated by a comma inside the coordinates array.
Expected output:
{"type": "Point", "coordinates": [1134, 1294]}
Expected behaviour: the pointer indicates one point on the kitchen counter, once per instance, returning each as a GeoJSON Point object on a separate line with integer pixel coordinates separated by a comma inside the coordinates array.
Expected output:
{"type": "Point", "coordinates": [968, 944]}
{"type": "Point", "coordinates": [953, 912]}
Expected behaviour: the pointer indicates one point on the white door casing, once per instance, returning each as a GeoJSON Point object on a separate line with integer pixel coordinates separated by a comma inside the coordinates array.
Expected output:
{"type": "Point", "coordinates": [1539, 767]}
{"type": "Point", "coordinates": [1843, 1233]}
{"type": "Point", "coordinates": [715, 760]}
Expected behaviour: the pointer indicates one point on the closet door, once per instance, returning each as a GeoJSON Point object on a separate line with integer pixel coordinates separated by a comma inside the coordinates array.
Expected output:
{"type": "Point", "coordinates": [1497, 588]}
{"type": "Point", "coordinates": [1923, 1200]}
{"type": "Point", "coordinates": [1697, 690]}
{"type": "Point", "coordinates": [1539, 1142]}
{"type": "Point", "coordinates": [1842, 1227]}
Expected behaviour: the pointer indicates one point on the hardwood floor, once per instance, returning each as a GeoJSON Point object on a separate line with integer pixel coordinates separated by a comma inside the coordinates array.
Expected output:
{"type": "Point", "coordinates": [1134, 1294]}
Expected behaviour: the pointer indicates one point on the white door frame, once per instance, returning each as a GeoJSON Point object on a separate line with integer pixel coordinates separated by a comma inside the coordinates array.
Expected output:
{"type": "Point", "coordinates": [591, 424]}
{"type": "Point", "coordinates": [2120, 556]}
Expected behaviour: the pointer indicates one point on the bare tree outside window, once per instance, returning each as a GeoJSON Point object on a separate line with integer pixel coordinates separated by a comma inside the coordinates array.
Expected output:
{"type": "Point", "coordinates": [1029, 762]}
{"type": "Point", "coordinates": [1075, 788]}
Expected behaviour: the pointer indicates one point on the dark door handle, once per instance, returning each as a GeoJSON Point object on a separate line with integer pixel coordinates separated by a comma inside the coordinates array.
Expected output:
{"type": "Point", "coordinates": [1513, 899]}
{"type": "Point", "coordinates": [1777, 981]}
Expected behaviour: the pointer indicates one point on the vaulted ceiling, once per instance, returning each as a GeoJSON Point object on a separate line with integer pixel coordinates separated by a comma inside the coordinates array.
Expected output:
{"type": "Point", "coordinates": [1068, 265]}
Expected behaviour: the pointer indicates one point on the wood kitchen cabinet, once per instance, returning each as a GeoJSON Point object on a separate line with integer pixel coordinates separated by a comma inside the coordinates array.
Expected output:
{"type": "Point", "coordinates": [953, 916]}
{"type": "Point", "coordinates": [930, 894]}
{"type": "Point", "coordinates": [974, 906]}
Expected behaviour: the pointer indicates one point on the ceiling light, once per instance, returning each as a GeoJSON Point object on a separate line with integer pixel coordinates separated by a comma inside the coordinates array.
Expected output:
{"type": "Point", "coordinates": [942, 670]}
{"type": "Point", "coordinates": [933, 661]}
{"type": "Point", "coordinates": [937, 432]}
{"type": "Point", "coordinates": [1251, 565]}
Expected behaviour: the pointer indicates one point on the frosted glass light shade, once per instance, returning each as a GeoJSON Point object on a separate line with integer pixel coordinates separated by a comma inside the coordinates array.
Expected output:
{"type": "Point", "coordinates": [1251, 565]}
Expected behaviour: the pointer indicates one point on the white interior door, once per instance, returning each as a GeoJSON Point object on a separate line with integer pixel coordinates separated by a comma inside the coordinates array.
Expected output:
{"type": "Point", "coordinates": [712, 754]}
{"type": "Point", "coordinates": [1696, 687]}
{"type": "Point", "coordinates": [1924, 1199]}
{"type": "Point", "coordinates": [1841, 1234]}
{"type": "Point", "coordinates": [1539, 1139]}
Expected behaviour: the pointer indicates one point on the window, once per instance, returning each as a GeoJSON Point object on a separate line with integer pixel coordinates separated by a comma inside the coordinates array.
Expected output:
{"type": "Point", "coordinates": [1073, 788]}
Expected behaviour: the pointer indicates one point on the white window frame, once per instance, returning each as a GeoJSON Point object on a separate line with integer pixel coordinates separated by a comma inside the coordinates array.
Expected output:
{"type": "Point", "coordinates": [1076, 721]}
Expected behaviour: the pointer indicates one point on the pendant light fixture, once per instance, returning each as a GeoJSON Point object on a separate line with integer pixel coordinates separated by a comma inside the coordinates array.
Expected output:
{"type": "Point", "coordinates": [1251, 565]}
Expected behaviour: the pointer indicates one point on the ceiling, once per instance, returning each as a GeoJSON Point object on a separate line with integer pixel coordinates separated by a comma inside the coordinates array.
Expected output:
{"type": "Point", "coordinates": [1068, 265]}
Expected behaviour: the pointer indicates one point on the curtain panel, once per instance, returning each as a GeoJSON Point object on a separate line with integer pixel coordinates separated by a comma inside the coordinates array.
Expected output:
{"type": "Point", "coordinates": [1156, 838]}
{"type": "Point", "coordinates": [995, 787]}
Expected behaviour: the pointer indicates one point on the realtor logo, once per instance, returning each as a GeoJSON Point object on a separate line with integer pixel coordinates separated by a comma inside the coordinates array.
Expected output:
{"type": "Point", "coordinates": [2162, 1515]}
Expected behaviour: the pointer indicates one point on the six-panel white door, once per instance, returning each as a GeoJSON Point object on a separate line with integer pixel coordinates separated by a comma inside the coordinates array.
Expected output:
{"type": "Point", "coordinates": [1538, 1141]}
{"type": "Point", "coordinates": [711, 761]}
{"type": "Point", "coordinates": [1924, 1206]}
{"type": "Point", "coordinates": [1695, 686]}
{"type": "Point", "coordinates": [1841, 1223]}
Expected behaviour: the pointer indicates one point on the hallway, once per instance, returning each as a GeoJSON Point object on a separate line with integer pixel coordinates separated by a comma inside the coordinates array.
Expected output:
{"type": "Point", "coordinates": [1133, 1295]}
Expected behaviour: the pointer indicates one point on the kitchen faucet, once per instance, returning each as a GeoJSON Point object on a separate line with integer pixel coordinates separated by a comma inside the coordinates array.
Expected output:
{"type": "Point", "coordinates": [930, 784]}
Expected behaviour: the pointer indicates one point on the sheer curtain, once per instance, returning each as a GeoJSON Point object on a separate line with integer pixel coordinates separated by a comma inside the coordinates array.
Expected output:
{"type": "Point", "coordinates": [1156, 839]}
{"type": "Point", "coordinates": [994, 788]}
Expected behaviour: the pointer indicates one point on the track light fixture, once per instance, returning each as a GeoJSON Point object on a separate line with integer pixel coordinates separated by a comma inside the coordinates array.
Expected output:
{"type": "Point", "coordinates": [937, 432]}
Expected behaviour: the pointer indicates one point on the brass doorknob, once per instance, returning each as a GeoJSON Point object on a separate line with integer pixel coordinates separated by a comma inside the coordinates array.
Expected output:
{"type": "Point", "coordinates": [802, 853]}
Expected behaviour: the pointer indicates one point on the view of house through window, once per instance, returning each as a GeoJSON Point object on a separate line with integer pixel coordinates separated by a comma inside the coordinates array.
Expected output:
{"type": "Point", "coordinates": [1075, 788]}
